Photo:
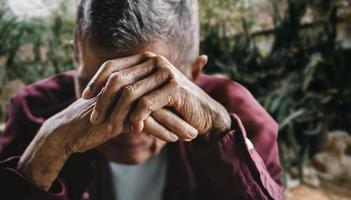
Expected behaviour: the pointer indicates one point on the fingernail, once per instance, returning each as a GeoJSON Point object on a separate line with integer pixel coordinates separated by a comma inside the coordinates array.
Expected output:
{"type": "Point", "coordinates": [193, 133]}
{"type": "Point", "coordinates": [109, 130]}
{"type": "Point", "coordinates": [95, 116]}
{"type": "Point", "coordinates": [86, 92]}
{"type": "Point", "coordinates": [173, 137]}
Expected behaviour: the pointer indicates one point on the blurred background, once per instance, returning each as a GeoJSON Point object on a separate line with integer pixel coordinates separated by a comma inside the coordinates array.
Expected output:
{"type": "Point", "coordinates": [293, 55]}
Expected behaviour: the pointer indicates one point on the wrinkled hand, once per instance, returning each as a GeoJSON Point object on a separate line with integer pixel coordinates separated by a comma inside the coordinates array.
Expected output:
{"type": "Point", "coordinates": [144, 85]}
{"type": "Point", "coordinates": [65, 133]}
{"type": "Point", "coordinates": [76, 134]}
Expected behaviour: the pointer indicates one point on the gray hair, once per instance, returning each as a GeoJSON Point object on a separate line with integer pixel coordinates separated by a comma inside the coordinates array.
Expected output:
{"type": "Point", "coordinates": [124, 25]}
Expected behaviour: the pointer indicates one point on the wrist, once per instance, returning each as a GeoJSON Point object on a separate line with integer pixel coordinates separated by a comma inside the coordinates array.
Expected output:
{"type": "Point", "coordinates": [221, 125]}
{"type": "Point", "coordinates": [42, 161]}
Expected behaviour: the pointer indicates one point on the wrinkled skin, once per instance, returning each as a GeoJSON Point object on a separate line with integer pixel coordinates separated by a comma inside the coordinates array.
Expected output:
{"type": "Point", "coordinates": [152, 85]}
{"type": "Point", "coordinates": [130, 109]}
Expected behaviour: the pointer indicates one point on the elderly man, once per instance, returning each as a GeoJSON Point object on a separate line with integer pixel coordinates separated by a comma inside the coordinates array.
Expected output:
{"type": "Point", "coordinates": [137, 119]}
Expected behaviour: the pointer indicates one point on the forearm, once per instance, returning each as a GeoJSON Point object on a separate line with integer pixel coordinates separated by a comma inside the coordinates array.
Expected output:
{"type": "Point", "coordinates": [42, 161]}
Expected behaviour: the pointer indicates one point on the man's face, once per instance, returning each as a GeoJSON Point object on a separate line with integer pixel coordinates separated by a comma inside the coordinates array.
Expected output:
{"type": "Point", "coordinates": [126, 148]}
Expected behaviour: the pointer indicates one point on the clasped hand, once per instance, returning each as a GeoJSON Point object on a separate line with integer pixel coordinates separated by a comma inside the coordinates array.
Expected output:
{"type": "Point", "coordinates": [146, 93]}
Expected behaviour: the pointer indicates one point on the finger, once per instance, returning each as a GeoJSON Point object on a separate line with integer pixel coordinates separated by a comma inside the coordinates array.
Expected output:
{"type": "Point", "coordinates": [101, 76]}
{"type": "Point", "coordinates": [175, 124]}
{"type": "Point", "coordinates": [94, 137]}
{"type": "Point", "coordinates": [154, 128]}
{"type": "Point", "coordinates": [151, 102]}
{"type": "Point", "coordinates": [114, 85]}
{"type": "Point", "coordinates": [133, 92]}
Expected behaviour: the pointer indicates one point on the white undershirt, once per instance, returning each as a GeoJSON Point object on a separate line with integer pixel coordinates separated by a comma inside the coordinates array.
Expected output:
{"type": "Point", "coordinates": [145, 181]}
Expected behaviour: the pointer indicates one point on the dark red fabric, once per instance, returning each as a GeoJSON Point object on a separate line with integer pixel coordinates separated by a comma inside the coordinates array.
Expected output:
{"type": "Point", "coordinates": [224, 169]}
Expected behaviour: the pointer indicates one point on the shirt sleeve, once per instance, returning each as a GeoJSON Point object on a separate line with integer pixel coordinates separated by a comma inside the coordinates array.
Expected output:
{"type": "Point", "coordinates": [13, 185]}
{"type": "Point", "coordinates": [21, 127]}
{"type": "Point", "coordinates": [235, 170]}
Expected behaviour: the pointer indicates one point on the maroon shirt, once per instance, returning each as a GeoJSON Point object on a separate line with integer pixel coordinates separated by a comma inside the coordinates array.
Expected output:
{"type": "Point", "coordinates": [224, 169]}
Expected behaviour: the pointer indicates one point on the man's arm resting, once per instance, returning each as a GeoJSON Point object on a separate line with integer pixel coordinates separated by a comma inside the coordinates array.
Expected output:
{"type": "Point", "coordinates": [235, 171]}
{"type": "Point", "coordinates": [42, 161]}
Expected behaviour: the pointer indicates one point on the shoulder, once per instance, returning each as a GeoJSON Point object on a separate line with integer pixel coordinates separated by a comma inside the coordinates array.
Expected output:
{"type": "Point", "coordinates": [224, 90]}
{"type": "Point", "coordinates": [48, 94]}
{"type": "Point", "coordinates": [53, 84]}
{"type": "Point", "coordinates": [38, 101]}
{"type": "Point", "coordinates": [238, 100]}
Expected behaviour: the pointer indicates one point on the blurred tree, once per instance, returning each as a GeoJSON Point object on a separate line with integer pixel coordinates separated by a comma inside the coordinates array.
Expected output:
{"type": "Point", "coordinates": [31, 49]}
{"type": "Point", "coordinates": [34, 48]}
{"type": "Point", "coordinates": [303, 80]}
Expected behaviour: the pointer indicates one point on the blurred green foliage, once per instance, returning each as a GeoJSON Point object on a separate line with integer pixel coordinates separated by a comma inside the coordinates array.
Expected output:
{"type": "Point", "coordinates": [31, 49]}
{"type": "Point", "coordinates": [303, 80]}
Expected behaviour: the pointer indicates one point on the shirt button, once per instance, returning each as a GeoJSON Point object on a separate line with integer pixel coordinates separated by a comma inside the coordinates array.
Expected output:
{"type": "Point", "coordinates": [86, 195]}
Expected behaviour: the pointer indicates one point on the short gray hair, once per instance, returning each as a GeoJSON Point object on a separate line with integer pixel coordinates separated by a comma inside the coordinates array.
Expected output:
{"type": "Point", "coordinates": [124, 25]}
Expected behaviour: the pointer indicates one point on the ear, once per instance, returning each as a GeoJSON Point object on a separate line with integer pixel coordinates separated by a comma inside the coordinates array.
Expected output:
{"type": "Point", "coordinates": [198, 65]}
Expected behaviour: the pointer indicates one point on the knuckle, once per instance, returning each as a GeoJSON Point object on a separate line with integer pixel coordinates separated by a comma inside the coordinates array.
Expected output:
{"type": "Point", "coordinates": [117, 78]}
{"type": "Point", "coordinates": [166, 71]}
{"type": "Point", "coordinates": [129, 92]}
{"type": "Point", "coordinates": [174, 84]}
{"type": "Point", "coordinates": [171, 74]}
{"type": "Point", "coordinates": [145, 103]}
{"type": "Point", "coordinates": [159, 61]}
{"type": "Point", "coordinates": [107, 65]}
{"type": "Point", "coordinates": [148, 54]}
{"type": "Point", "coordinates": [164, 66]}
{"type": "Point", "coordinates": [157, 58]}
